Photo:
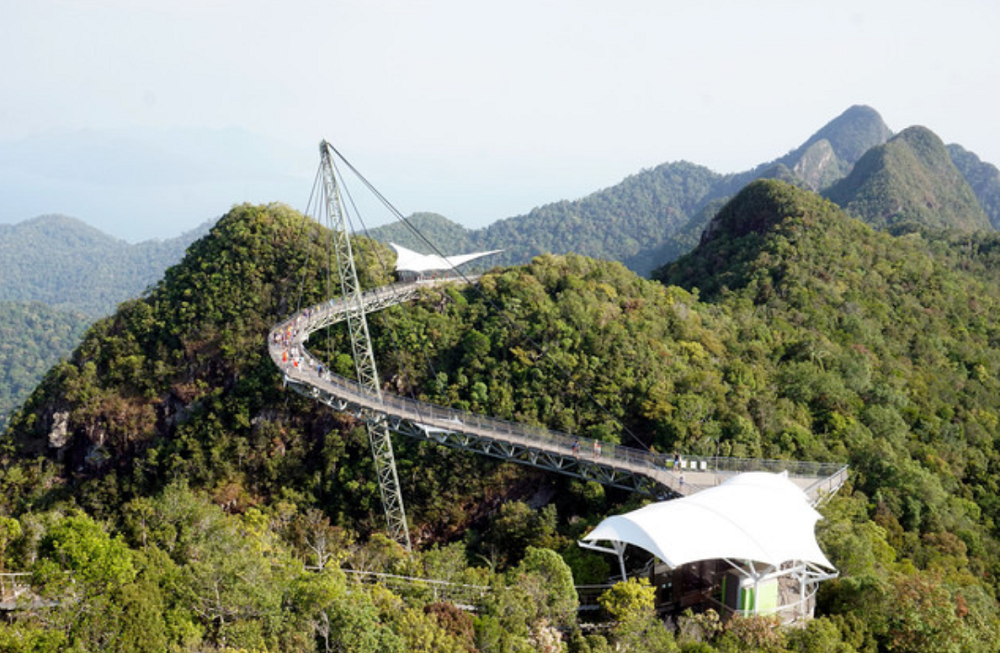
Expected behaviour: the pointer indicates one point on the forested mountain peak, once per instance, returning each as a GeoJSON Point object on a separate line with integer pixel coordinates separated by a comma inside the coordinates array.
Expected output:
{"type": "Point", "coordinates": [760, 206]}
{"type": "Point", "coordinates": [67, 264]}
{"type": "Point", "coordinates": [59, 231]}
{"type": "Point", "coordinates": [447, 236]}
{"type": "Point", "coordinates": [983, 177]}
{"type": "Point", "coordinates": [911, 179]}
{"type": "Point", "coordinates": [764, 210]}
{"type": "Point", "coordinates": [852, 133]}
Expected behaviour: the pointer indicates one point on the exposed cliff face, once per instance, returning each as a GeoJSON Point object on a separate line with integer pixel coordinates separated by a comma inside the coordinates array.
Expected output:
{"type": "Point", "coordinates": [829, 154]}
{"type": "Point", "coordinates": [818, 165]}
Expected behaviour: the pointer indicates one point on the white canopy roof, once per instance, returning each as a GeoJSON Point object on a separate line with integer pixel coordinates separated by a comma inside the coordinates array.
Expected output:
{"type": "Point", "coordinates": [755, 516]}
{"type": "Point", "coordinates": [407, 259]}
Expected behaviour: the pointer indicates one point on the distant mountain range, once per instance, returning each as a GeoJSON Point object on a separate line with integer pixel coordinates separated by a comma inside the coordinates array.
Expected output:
{"type": "Point", "coordinates": [649, 219]}
{"type": "Point", "coordinates": [657, 215]}
{"type": "Point", "coordinates": [57, 275]}
{"type": "Point", "coordinates": [67, 264]}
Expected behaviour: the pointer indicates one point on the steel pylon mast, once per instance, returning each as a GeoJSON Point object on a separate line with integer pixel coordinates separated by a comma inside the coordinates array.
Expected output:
{"type": "Point", "coordinates": [364, 357]}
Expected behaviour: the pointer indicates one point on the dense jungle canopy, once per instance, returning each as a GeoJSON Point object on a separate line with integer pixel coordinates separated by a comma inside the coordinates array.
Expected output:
{"type": "Point", "coordinates": [191, 498]}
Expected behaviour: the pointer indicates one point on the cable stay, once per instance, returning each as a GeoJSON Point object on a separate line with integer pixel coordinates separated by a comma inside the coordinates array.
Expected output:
{"type": "Point", "coordinates": [634, 469]}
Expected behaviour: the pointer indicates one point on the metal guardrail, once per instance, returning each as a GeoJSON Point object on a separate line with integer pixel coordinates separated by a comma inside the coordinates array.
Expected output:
{"type": "Point", "coordinates": [467, 597]}
{"type": "Point", "coordinates": [13, 584]}
{"type": "Point", "coordinates": [587, 596]}
{"type": "Point", "coordinates": [659, 467]}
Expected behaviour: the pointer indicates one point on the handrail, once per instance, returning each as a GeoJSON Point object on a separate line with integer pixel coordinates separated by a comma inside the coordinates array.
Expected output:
{"type": "Point", "coordinates": [295, 331]}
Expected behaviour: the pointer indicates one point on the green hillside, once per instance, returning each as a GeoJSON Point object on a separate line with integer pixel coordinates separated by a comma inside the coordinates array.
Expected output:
{"type": "Point", "coordinates": [910, 180]}
{"type": "Point", "coordinates": [67, 264]}
{"type": "Point", "coordinates": [983, 178]}
{"type": "Point", "coordinates": [447, 236]}
{"type": "Point", "coordinates": [794, 332]}
{"type": "Point", "coordinates": [628, 222]}
{"type": "Point", "coordinates": [79, 274]}
{"type": "Point", "coordinates": [33, 338]}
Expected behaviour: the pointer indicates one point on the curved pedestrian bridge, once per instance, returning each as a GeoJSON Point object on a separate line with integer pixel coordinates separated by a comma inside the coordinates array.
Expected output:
{"type": "Point", "coordinates": [603, 462]}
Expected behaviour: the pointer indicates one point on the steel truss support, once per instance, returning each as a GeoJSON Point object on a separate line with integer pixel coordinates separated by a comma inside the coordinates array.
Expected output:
{"type": "Point", "coordinates": [568, 463]}
{"type": "Point", "coordinates": [364, 357]}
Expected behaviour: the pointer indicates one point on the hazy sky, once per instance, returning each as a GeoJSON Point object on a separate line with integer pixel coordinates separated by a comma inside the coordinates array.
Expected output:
{"type": "Point", "coordinates": [147, 118]}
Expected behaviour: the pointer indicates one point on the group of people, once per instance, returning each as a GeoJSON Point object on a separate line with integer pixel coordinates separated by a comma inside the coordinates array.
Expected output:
{"type": "Point", "coordinates": [290, 355]}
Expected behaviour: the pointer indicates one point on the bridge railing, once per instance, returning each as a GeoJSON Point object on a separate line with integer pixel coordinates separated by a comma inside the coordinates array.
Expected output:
{"type": "Point", "coordinates": [728, 465]}
{"type": "Point", "coordinates": [427, 589]}
{"type": "Point", "coordinates": [431, 416]}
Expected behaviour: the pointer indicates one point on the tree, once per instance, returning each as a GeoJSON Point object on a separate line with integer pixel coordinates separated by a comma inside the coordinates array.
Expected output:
{"type": "Point", "coordinates": [631, 604]}
{"type": "Point", "coordinates": [322, 541]}
{"type": "Point", "coordinates": [519, 527]}
{"type": "Point", "coordinates": [630, 600]}
{"type": "Point", "coordinates": [79, 545]}
{"type": "Point", "coordinates": [548, 581]}
{"type": "Point", "coordinates": [10, 530]}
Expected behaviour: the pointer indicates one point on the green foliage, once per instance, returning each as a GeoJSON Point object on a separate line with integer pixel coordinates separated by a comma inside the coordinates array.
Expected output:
{"type": "Point", "coordinates": [629, 600]}
{"type": "Point", "coordinates": [910, 180]}
{"type": "Point", "coordinates": [798, 333]}
{"type": "Point", "coordinates": [547, 581]}
{"type": "Point", "coordinates": [519, 527]}
{"type": "Point", "coordinates": [33, 338]}
{"type": "Point", "coordinates": [983, 178]}
{"type": "Point", "coordinates": [630, 604]}
{"type": "Point", "coordinates": [62, 262]}
{"type": "Point", "coordinates": [202, 580]}
{"type": "Point", "coordinates": [79, 545]}
{"type": "Point", "coordinates": [10, 529]}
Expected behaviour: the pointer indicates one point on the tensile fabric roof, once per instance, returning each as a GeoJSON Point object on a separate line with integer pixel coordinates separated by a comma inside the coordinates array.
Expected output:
{"type": "Point", "coordinates": [755, 516]}
{"type": "Point", "coordinates": [410, 261]}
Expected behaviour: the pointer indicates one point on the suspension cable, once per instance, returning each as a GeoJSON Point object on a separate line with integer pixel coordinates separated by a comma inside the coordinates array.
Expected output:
{"type": "Point", "coordinates": [384, 266]}
{"type": "Point", "coordinates": [499, 311]}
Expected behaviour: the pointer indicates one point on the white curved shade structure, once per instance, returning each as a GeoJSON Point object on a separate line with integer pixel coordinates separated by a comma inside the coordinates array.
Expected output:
{"type": "Point", "coordinates": [409, 261]}
{"type": "Point", "coordinates": [756, 517]}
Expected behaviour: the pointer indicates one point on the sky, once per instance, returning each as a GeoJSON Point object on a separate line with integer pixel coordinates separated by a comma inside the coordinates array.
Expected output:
{"type": "Point", "coordinates": [148, 118]}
